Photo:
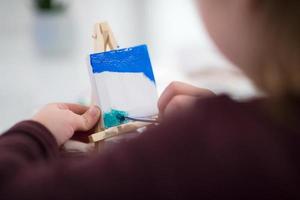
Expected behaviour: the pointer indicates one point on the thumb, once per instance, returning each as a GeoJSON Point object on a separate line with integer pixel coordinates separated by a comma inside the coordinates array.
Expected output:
{"type": "Point", "coordinates": [87, 120]}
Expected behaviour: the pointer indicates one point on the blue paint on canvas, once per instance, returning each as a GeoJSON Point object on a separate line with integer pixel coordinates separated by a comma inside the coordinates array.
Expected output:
{"type": "Point", "coordinates": [132, 60]}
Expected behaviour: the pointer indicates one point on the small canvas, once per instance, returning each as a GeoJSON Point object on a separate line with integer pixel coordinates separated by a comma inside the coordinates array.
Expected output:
{"type": "Point", "coordinates": [124, 84]}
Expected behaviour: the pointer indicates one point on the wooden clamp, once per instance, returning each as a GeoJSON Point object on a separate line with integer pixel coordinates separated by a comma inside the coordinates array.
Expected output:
{"type": "Point", "coordinates": [116, 131]}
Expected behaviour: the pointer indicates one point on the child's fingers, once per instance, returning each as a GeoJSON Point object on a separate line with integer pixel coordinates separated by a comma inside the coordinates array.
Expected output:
{"type": "Point", "coordinates": [178, 104]}
{"type": "Point", "coordinates": [167, 95]}
{"type": "Point", "coordinates": [88, 120]}
{"type": "Point", "coordinates": [179, 88]}
{"type": "Point", "coordinates": [76, 108]}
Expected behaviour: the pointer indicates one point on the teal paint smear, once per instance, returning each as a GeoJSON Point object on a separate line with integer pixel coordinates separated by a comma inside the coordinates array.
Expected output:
{"type": "Point", "coordinates": [114, 118]}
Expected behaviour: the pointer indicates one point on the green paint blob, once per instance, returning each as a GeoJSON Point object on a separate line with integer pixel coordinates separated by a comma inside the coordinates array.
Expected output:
{"type": "Point", "coordinates": [114, 118]}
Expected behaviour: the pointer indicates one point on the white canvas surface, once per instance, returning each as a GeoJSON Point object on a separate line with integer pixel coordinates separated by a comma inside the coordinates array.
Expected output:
{"type": "Point", "coordinates": [130, 92]}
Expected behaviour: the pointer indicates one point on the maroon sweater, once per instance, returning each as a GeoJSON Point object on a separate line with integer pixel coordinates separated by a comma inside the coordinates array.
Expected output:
{"type": "Point", "coordinates": [220, 150]}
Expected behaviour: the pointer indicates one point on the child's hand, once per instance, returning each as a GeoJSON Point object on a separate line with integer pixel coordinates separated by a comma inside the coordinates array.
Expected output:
{"type": "Point", "coordinates": [178, 96]}
{"type": "Point", "coordinates": [64, 119]}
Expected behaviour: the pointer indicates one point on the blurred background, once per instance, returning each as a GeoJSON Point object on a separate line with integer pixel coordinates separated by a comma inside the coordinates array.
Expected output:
{"type": "Point", "coordinates": [44, 47]}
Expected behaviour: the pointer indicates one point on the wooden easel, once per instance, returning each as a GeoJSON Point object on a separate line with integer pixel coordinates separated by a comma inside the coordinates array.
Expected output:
{"type": "Point", "coordinates": [104, 40]}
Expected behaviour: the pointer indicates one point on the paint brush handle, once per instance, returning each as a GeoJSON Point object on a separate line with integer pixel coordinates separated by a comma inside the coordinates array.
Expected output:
{"type": "Point", "coordinates": [142, 120]}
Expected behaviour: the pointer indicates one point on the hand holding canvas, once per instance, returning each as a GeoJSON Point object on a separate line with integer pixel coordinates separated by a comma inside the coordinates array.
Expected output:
{"type": "Point", "coordinates": [178, 96]}
{"type": "Point", "coordinates": [63, 119]}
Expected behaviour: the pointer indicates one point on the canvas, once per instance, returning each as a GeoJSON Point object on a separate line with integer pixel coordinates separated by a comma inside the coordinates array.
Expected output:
{"type": "Point", "coordinates": [124, 84]}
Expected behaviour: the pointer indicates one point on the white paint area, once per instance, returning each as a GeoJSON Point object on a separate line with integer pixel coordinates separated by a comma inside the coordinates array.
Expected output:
{"type": "Point", "coordinates": [131, 92]}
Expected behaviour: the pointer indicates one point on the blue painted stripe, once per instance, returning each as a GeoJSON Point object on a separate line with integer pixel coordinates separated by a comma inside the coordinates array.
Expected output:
{"type": "Point", "coordinates": [135, 60]}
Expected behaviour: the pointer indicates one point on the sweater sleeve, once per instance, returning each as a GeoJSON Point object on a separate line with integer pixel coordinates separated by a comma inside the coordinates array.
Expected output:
{"type": "Point", "coordinates": [213, 153]}
{"type": "Point", "coordinates": [151, 166]}
{"type": "Point", "coordinates": [26, 143]}
{"type": "Point", "coordinates": [138, 169]}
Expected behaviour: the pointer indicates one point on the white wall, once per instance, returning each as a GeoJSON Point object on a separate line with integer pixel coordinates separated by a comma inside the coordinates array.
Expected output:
{"type": "Point", "coordinates": [179, 47]}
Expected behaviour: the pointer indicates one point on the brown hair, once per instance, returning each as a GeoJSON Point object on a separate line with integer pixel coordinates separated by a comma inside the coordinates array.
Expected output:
{"type": "Point", "coordinates": [282, 18]}
{"type": "Point", "coordinates": [280, 76]}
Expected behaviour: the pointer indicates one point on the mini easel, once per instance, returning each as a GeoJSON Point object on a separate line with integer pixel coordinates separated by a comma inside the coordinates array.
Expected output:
{"type": "Point", "coordinates": [103, 41]}
{"type": "Point", "coordinates": [103, 38]}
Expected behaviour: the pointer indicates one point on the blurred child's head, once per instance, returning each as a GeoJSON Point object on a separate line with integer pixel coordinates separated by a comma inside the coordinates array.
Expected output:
{"type": "Point", "coordinates": [262, 37]}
